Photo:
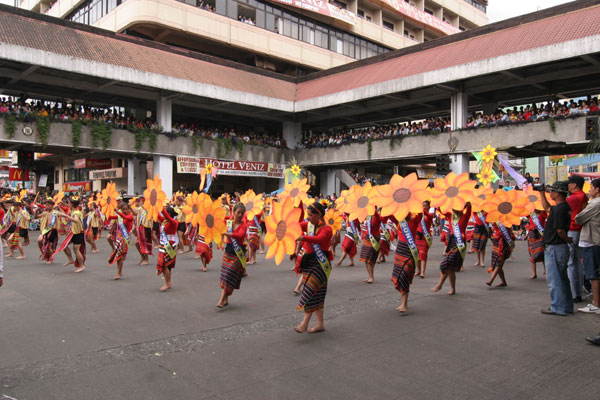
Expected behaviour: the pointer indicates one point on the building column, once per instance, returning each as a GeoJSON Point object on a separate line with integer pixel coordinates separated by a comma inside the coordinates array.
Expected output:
{"type": "Point", "coordinates": [329, 183]}
{"type": "Point", "coordinates": [136, 175]}
{"type": "Point", "coordinates": [459, 163]}
{"type": "Point", "coordinates": [292, 133]}
{"type": "Point", "coordinates": [163, 166]}
{"type": "Point", "coordinates": [542, 169]}
{"type": "Point", "coordinates": [458, 110]}
{"type": "Point", "coordinates": [164, 113]}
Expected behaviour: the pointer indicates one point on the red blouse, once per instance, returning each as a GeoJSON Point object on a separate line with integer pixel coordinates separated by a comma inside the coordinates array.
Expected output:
{"type": "Point", "coordinates": [413, 225]}
{"type": "Point", "coordinates": [171, 227]}
{"type": "Point", "coordinates": [127, 220]}
{"type": "Point", "coordinates": [428, 221]}
{"type": "Point", "coordinates": [322, 238]}
{"type": "Point", "coordinates": [542, 217]}
{"type": "Point", "coordinates": [462, 222]}
{"type": "Point", "coordinates": [375, 224]}
{"type": "Point", "coordinates": [239, 233]}
{"type": "Point", "coordinates": [478, 220]}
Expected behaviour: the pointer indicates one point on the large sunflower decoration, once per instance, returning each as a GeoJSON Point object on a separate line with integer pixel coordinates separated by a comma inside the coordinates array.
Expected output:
{"type": "Point", "coordinates": [452, 192]}
{"type": "Point", "coordinates": [191, 209]}
{"type": "Point", "coordinates": [108, 199]}
{"type": "Point", "coordinates": [480, 196]}
{"type": "Point", "coordinates": [283, 229]}
{"type": "Point", "coordinates": [297, 191]}
{"type": "Point", "coordinates": [333, 218]}
{"type": "Point", "coordinates": [402, 196]}
{"type": "Point", "coordinates": [155, 197]}
{"type": "Point", "coordinates": [506, 207]}
{"type": "Point", "coordinates": [253, 202]}
{"type": "Point", "coordinates": [534, 199]}
{"type": "Point", "coordinates": [361, 202]}
{"type": "Point", "coordinates": [211, 219]}
{"type": "Point", "coordinates": [342, 200]}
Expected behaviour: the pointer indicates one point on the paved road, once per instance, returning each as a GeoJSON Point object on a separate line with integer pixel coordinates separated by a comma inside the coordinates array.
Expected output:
{"type": "Point", "coordinates": [83, 336]}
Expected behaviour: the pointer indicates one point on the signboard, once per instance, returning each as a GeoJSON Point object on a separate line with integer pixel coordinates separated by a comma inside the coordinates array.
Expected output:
{"type": "Point", "coordinates": [417, 15]}
{"type": "Point", "coordinates": [43, 180]}
{"type": "Point", "coordinates": [4, 154]}
{"type": "Point", "coordinates": [425, 173]}
{"type": "Point", "coordinates": [16, 174]}
{"type": "Point", "coordinates": [550, 175]}
{"type": "Point", "coordinates": [562, 172]}
{"type": "Point", "coordinates": [38, 156]}
{"type": "Point", "coordinates": [77, 187]}
{"type": "Point", "coordinates": [321, 7]}
{"type": "Point", "coordinates": [112, 173]}
{"type": "Point", "coordinates": [192, 165]}
{"type": "Point", "coordinates": [92, 163]}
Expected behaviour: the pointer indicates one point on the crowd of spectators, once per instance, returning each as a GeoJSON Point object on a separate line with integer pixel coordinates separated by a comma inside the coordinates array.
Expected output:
{"type": "Point", "coordinates": [205, 6]}
{"type": "Point", "coordinates": [57, 112]}
{"type": "Point", "coordinates": [517, 115]}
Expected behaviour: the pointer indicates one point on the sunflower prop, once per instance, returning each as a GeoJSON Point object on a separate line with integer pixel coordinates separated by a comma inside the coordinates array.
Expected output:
{"type": "Point", "coordinates": [283, 229]}
{"type": "Point", "coordinates": [452, 192]}
{"type": "Point", "coordinates": [488, 153]}
{"type": "Point", "coordinates": [155, 197]}
{"type": "Point", "coordinates": [211, 219]}
{"type": "Point", "coordinates": [191, 209]}
{"type": "Point", "coordinates": [586, 187]}
{"type": "Point", "coordinates": [402, 196]}
{"type": "Point", "coordinates": [480, 196]}
{"type": "Point", "coordinates": [485, 176]}
{"type": "Point", "coordinates": [253, 202]}
{"type": "Point", "coordinates": [333, 218]}
{"type": "Point", "coordinates": [108, 200]}
{"type": "Point", "coordinates": [361, 203]}
{"type": "Point", "coordinates": [534, 199]}
{"type": "Point", "coordinates": [341, 201]}
{"type": "Point", "coordinates": [297, 191]}
{"type": "Point", "coordinates": [506, 207]}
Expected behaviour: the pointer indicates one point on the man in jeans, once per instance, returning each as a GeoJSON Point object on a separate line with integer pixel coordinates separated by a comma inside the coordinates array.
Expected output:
{"type": "Point", "coordinates": [556, 254]}
{"type": "Point", "coordinates": [589, 241]}
{"type": "Point", "coordinates": [577, 201]}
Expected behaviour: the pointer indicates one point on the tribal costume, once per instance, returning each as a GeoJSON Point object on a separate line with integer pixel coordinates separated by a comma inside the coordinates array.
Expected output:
{"type": "Point", "coordinates": [350, 242]}
{"type": "Point", "coordinates": [480, 233]}
{"type": "Point", "coordinates": [367, 253]}
{"type": "Point", "coordinates": [453, 260]}
{"type": "Point", "coordinates": [121, 243]}
{"type": "Point", "coordinates": [535, 245]}
{"type": "Point", "coordinates": [168, 240]}
{"type": "Point", "coordinates": [501, 249]}
{"type": "Point", "coordinates": [232, 268]}
{"type": "Point", "coordinates": [404, 261]}
{"type": "Point", "coordinates": [49, 235]}
{"type": "Point", "coordinates": [203, 250]}
{"type": "Point", "coordinates": [314, 276]}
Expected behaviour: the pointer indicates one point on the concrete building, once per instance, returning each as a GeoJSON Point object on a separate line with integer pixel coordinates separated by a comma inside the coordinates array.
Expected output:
{"type": "Point", "coordinates": [292, 37]}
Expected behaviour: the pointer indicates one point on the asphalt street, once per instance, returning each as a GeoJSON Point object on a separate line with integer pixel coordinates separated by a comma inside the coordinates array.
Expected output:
{"type": "Point", "coordinates": [65, 335]}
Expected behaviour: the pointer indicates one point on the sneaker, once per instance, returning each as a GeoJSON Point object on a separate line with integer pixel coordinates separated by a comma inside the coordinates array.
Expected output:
{"type": "Point", "coordinates": [590, 309]}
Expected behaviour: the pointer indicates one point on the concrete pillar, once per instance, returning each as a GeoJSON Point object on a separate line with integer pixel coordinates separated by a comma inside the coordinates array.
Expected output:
{"type": "Point", "coordinates": [542, 169]}
{"type": "Point", "coordinates": [292, 133]}
{"type": "Point", "coordinates": [163, 166]}
{"type": "Point", "coordinates": [136, 176]}
{"type": "Point", "coordinates": [459, 163]}
{"type": "Point", "coordinates": [164, 113]}
{"type": "Point", "coordinates": [458, 110]}
{"type": "Point", "coordinates": [329, 183]}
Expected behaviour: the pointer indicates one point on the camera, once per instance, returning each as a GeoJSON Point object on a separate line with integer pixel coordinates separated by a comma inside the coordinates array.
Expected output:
{"type": "Point", "coordinates": [539, 187]}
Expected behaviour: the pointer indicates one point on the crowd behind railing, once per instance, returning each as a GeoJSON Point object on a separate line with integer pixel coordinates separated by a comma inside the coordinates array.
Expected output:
{"type": "Point", "coordinates": [502, 117]}
{"type": "Point", "coordinates": [57, 111]}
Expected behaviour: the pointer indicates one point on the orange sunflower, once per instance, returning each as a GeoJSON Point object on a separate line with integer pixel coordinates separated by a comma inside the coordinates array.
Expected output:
{"type": "Point", "coordinates": [506, 207]}
{"type": "Point", "coordinates": [452, 192]}
{"type": "Point", "coordinates": [402, 196]}
{"type": "Point", "coordinates": [253, 202]}
{"type": "Point", "coordinates": [361, 202]}
{"type": "Point", "coordinates": [333, 218]}
{"type": "Point", "coordinates": [534, 199]}
{"type": "Point", "coordinates": [211, 219]}
{"type": "Point", "coordinates": [108, 199]}
{"type": "Point", "coordinates": [283, 229]}
{"type": "Point", "coordinates": [191, 209]}
{"type": "Point", "coordinates": [340, 202]}
{"type": "Point", "coordinates": [297, 191]}
{"type": "Point", "coordinates": [155, 197]}
{"type": "Point", "coordinates": [480, 196]}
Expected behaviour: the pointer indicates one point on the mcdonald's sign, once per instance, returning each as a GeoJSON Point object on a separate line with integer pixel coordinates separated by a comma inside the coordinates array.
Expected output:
{"type": "Point", "coordinates": [16, 174]}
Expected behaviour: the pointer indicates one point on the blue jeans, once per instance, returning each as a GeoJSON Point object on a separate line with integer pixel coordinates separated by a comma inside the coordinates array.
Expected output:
{"type": "Point", "coordinates": [556, 258]}
{"type": "Point", "coordinates": [575, 266]}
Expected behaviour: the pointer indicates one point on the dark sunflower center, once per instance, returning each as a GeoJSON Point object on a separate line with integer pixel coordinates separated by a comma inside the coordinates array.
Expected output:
{"type": "Point", "coordinates": [294, 192]}
{"type": "Point", "coordinates": [281, 230]}
{"type": "Point", "coordinates": [153, 197]}
{"type": "Point", "coordinates": [108, 200]}
{"type": "Point", "coordinates": [330, 221]}
{"type": "Point", "coordinates": [401, 195]}
{"type": "Point", "coordinates": [505, 207]}
{"type": "Point", "coordinates": [452, 191]}
{"type": "Point", "coordinates": [249, 205]}
{"type": "Point", "coordinates": [362, 202]}
{"type": "Point", "coordinates": [195, 209]}
{"type": "Point", "coordinates": [482, 196]}
{"type": "Point", "coordinates": [532, 198]}
{"type": "Point", "coordinates": [210, 220]}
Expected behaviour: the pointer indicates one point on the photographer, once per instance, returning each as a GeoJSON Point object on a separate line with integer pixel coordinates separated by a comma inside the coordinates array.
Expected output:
{"type": "Point", "coordinates": [556, 254]}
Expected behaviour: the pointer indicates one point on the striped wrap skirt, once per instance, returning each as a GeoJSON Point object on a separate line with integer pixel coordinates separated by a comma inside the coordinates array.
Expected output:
{"type": "Point", "coordinates": [349, 246]}
{"type": "Point", "coordinates": [315, 285]}
{"type": "Point", "coordinates": [404, 268]}
{"type": "Point", "coordinates": [480, 237]}
{"type": "Point", "coordinates": [231, 273]}
{"type": "Point", "coordinates": [535, 246]}
{"type": "Point", "coordinates": [368, 253]}
{"type": "Point", "coordinates": [422, 246]}
{"type": "Point", "coordinates": [500, 252]}
{"type": "Point", "coordinates": [452, 260]}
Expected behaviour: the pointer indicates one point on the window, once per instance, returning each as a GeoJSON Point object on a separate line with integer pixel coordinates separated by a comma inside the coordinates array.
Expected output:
{"type": "Point", "coordinates": [368, 18]}
{"type": "Point", "coordinates": [429, 12]}
{"type": "Point", "coordinates": [360, 13]}
{"type": "Point", "coordinates": [388, 25]}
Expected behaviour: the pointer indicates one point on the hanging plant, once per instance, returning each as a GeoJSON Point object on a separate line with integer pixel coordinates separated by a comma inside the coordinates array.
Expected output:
{"type": "Point", "coordinates": [106, 137]}
{"type": "Point", "coordinates": [219, 148]}
{"type": "Point", "coordinates": [240, 146]}
{"type": "Point", "coordinates": [228, 146]}
{"type": "Point", "coordinates": [552, 123]}
{"type": "Point", "coordinates": [101, 133]}
{"type": "Point", "coordinates": [10, 122]}
{"type": "Point", "coordinates": [43, 130]}
{"type": "Point", "coordinates": [392, 143]}
{"type": "Point", "coordinates": [140, 135]}
{"type": "Point", "coordinates": [76, 132]}
{"type": "Point", "coordinates": [152, 139]}
{"type": "Point", "coordinates": [369, 147]}
{"type": "Point", "coordinates": [197, 142]}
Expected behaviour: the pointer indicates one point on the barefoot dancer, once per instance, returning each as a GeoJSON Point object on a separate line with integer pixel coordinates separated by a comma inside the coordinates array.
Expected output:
{"type": "Point", "coordinates": [75, 236]}
{"type": "Point", "coordinates": [168, 240]}
{"type": "Point", "coordinates": [234, 257]}
{"type": "Point", "coordinates": [315, 266]}
{"type": "Point", "coordinates": [254, 235]}
{"type": "Point", "coordinates": [370, 245]}
{"type": "Point", "coordinates": [49, 232]}
{"type": "Point", "coordinates": [21, 235]}
{"type": "Point", "coordinates": [535, 245]}
{"type": "Point", "coordinates": [124, 224]}
{"type": "Point", "coordinates": [480, 237]}
{"type": "Point", "coordinates": [503, 241]}
{"type": "Point", "coordinates": [144, 226]}
{"type": "Point", "coordinates": [454, 254]}
{"type": "Point", "coordinates": [203, 251]}
{"type": "Point", "coordinates": [95, 222]}
{"type": "Point", "coordinates": [406, 258]}
{"type": "Point", "coordinates": [181, 227]}
{"type": "Point", "coordinates": [384, 239]}
{"type": "Point", "coordinates": [350, 243]}
{"type": "Point", "coordinates": [424, 239]}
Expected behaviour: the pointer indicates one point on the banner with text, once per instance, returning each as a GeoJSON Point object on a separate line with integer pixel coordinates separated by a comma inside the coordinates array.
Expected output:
{"type": "Point", "coordinates": [192, 165]}
{"type": "Point", "coordinates": [321, 7]}
{"type": "Point", "coordinates": [417, 15]}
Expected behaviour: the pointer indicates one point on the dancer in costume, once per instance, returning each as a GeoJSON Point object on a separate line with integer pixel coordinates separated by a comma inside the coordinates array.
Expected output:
{"type": "Point", "coordinates": [11, 226]}
{"type": "Point", "coordinates": [315, 267]}
{"type": "Point", "coordinates": [95, 222]}
{"type": "Point", "coordinates": [49, 233]}
{"type": "Point", "coordinates": [535, 245]}
{"type": "Point", "coordinates": [384, 239]}
{"type": "Point", "coordinates": [75, 236]}
{"type": "Point", "coordinates": [254, 236]}
{"type": "Point", "coordinates": [21, 235]}
{"type": "Point", "coordinates": [203, 251]}
{"type": "Point", "coordinates": [181, 226]}
{"type": "Point", "coordinates": [503, 243]}
{"type": "Point", "coordinates": [350, 242]}
{"type": "Point", "coordinates": [480, 236]}
{"type": "Point", "coordinates": [406, 258]}
{"type": "Point", "coordinates": [168, 240]}
{"type": "Point", "coordinates": [424, 239]}
{"type": "Point", "coordinates": [454, 254]}
{"type": "Point", "coordinates": [234, 257]}
{"type": "Point", "coordinates": [124, 224]}
{"type": "Point", "coordinates": [143, 226]}
{"type": "Point", "coordinates": [370, 245]}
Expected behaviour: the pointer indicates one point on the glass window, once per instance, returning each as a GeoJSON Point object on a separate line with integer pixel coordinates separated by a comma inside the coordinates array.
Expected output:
{"type": "Point", "coordinates": [388, 25]}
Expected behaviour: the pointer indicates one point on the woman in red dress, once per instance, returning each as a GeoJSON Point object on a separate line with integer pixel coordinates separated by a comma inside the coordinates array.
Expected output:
{"type": "Point", "coordinates": [407, 254]}
{"type": "Point", "coordinates": [168, 240]}
{"type": "Point", "coordinates": [234, 256]}
{"type": "Point", "coordinates": [124, 224]}
{"type": "Point", "coordinates": [350, 242]}
{"type": "Point", "coordinates": [424, 238]}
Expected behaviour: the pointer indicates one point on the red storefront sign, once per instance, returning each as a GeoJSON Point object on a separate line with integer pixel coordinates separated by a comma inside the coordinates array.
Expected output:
{"type": "Point", "coordinates": [245, 168]}
{"type": "Point", "coordinates": [92, 163]}
{"type": "Point", "coordinates": [321, 7]}
{"type": "Point", "coordinates": [77, 187]}
{"type": "Point", "coordinates": [417, 15]}
{"type": "Point", "coordinates": [16, 174]}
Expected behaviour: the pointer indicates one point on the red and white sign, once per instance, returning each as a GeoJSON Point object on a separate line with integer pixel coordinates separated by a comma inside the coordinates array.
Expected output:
{"type": "Point", "coordinates": [417, 15]}
{"type": "Point", "coordinates": [16, 174]}
{"type": "Point", "coordinates": [92, 163]}
{"type": "Point", "coordinates": [77, 187]}
{"type": "Point", "coordinates": [321, 7]}
{"type": "Point", "coordinates": [192, 165]}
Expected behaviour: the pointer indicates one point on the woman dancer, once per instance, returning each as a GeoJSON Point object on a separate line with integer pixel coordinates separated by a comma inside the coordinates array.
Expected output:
{"type": "Point", "coordinates": [315, 266]}
{"type": "Point", "coordinates": [350, 242]}
{"type": "Point", "coordinates": [124, 224]}
{"type": "Point", "coordinates": [75, 236]}
{"type": "Point", "coordinates": [96, 221]}
{"type": "Point", "coordinates": [168, 240]}
{"type": "Point", "coordinates": [234, 257]}
{"type": "Point", "coordinates": [384, 239]}
{"type": "Point", "coordinates": [370, 245]}
{"type": "Point", "coordinates": [254, 235]}
{"type": "Point", "coordinates": [144, 226]}
{"type": "Point", "coordinates": [454, 254]}
{"type": "Point", "coordinates": [21, 235]}
{"type": "Point", "coordinates": [49, 232]}
{"type": "Point", "coordinates": [535, 246]}
{"type": "Point", "coordinates": [503, 243]}
{"type": "Point", "coordinates": [480, 237]}
{"type": "Point", "coordinates": [406, 258]}
{"type": "Point", "coordinates": [424, 239]}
